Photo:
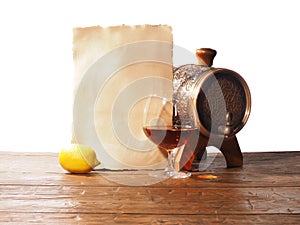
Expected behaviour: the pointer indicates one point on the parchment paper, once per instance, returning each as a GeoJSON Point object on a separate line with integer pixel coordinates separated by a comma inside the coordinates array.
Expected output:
{"type": "Point", "coordinates": [115, 68]}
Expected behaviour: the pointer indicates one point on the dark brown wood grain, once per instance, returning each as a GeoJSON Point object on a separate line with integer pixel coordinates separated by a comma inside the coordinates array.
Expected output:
{"type": "Point", "coordinates": [149, 200]}
{"type": "Point", "coordinates": [105, 219]}
{"type": "Point", "coordinates": [35, 189]}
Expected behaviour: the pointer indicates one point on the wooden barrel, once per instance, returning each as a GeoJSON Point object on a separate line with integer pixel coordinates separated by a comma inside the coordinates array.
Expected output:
{"type": "Point", "coordinates": [223, 102]}
{"type": "Point", "coordinates": [221, 96]}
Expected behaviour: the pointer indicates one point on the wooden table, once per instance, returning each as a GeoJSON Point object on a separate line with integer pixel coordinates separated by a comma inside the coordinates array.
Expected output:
{"type": "Point", "coordinates": [34, 189]}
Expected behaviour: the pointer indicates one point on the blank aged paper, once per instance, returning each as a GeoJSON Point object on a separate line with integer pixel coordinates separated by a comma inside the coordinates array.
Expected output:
{"type": "Point", "coordinates": [115, 69]}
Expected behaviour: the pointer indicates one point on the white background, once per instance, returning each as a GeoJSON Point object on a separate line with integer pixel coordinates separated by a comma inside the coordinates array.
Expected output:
{"type": "Point", "coordinates": [258, 39]}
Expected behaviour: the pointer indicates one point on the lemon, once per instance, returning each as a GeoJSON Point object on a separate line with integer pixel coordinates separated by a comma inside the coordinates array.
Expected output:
{"type": "Point", "coordinates": [78, 158]}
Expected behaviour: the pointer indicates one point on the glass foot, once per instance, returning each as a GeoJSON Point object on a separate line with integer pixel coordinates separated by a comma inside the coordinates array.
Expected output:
{"type": "Point", "coordinates": [169, 174]}
{"type": "Point", "coordinates": [181, 175]}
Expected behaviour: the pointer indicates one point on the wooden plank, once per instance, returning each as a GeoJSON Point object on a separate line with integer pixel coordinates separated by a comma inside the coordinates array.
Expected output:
{"type": "Point", "coordinates": [106, 179]}
{"type": "Point", "coordinates": [268, 162]}
{"type": "Point", "coordinates": [80, 218]}
{"type": "Point", "coordinates": [260, 170]}
{"type": "Point", "coordinates": [244, 179]}
{"type": "Point", "coordinates": [150, 200]}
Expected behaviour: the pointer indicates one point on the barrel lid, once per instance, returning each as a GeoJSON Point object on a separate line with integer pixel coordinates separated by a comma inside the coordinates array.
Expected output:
{"type": "Point", "coordinates": [223, 101]}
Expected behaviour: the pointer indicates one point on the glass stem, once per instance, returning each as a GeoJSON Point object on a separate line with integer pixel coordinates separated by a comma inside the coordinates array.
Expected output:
{"type": "Point", "coordinates": [171, 159]}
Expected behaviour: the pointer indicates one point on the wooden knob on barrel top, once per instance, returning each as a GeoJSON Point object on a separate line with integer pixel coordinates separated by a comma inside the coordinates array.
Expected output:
{"type": "Point", "coordinates": [206, 56]}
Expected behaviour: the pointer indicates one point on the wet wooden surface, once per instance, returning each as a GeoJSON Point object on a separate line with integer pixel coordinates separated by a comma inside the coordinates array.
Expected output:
{"type": "Point", "coordinates": [35, 189]}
